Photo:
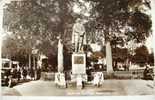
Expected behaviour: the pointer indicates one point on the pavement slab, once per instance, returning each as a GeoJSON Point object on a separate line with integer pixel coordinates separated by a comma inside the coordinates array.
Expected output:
{"type": "Point", "coordinates": [108, 88]}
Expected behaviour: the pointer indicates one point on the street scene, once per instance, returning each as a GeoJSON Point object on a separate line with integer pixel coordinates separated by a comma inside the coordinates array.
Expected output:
{"type": "Point", "coordinates": [76, 48]}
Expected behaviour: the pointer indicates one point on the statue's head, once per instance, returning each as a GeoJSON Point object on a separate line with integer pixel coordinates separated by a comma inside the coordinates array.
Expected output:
{"type": "Point", "coordinates": [78, 20]}
{"type": "Point", "coordinates": [59, 37]}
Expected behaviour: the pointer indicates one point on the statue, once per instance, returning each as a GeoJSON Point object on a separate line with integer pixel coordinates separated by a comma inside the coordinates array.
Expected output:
{"type": "Point", "coordinates": [78, 36]}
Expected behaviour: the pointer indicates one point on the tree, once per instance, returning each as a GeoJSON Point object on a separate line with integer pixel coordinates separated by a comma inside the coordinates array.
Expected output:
{"type": "Point", "coordinates": [38, 19]}
{"type": "Point", "coordinates": [121, 18]}
{"type": "Point", "coordinates": [151, 59]}
{"type": "Point", "coordinates": [120, 55]}
{"type": "Point", "coordinates": [35, 24]}
{"type": "Point", "coordinates": [141, 56]}
{"type": "Point", "coordinates": [39, 22]}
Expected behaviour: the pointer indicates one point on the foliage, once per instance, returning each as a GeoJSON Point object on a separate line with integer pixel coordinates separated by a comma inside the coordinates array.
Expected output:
{"type": "Point", "coordinates": [38, 22]}
{"type": "Point", "coordinates": [35, 24]}
{"type": "Point", "coordinates": [121, 18]}
{"type": "Point", "coordinates": [141, 55]}
{"type": "Point", "coordinates": [151, 59]}
{"type": "Point", "coordinates": [120, 54]}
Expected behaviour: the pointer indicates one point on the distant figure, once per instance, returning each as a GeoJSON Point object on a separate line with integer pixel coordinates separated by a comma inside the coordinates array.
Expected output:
{"type": "Point", "coordinates": [78, 36]}
{"type": "Point", "coordinates": [7, 73]}
{"type": "Point", "coordinates": [14, 73]}
{"type": "Point", "coordinates": [100, 63]}
{"type": "Point", "coordinates": [32, 74]}
{"type": "Point", "coordinates": [38, 73]}
{"type": "Point", "coordinates": [18, 74]}
{"type": "Point", "coordinates": [10, 82]}
{"type": "Point", "coordinates": [7, 81]}
{"type": "Point", "coordinates": [147, 74]}
{"type": "Point", "coordinates": [24, 73]}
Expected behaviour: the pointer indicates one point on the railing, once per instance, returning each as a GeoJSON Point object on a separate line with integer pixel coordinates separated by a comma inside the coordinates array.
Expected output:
{"type": "Point", "coordinates": [132, 74]}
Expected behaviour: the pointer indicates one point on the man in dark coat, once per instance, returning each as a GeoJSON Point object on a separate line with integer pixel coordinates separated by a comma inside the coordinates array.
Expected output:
{"type": "Point", "coordinates": [24, 73]}
{"type": "Point", "coordinates": [146, 73]}
{"type": "Point", "coordinates": [18, 74]}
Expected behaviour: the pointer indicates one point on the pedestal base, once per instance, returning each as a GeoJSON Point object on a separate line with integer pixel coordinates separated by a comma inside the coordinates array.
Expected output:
{"type": "Point", "coordinates": [78, 63]}
{"type": "Point", "coordinates": [79, 69]}
{"type": "Point", "coordinates": [74, 77]}
{"type": "Point", "coordinates": [79, 79]}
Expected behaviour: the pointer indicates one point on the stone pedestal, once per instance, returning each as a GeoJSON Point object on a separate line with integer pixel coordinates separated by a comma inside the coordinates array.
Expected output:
{"type": "Point", "coordinates": [79, 81]}
{"type": "Point", "coordinates": [79, 69]}
{"type": "Point", "coordinates": [78, 63]}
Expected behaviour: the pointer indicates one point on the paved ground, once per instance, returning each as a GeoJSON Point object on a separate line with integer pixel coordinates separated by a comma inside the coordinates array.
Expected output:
{"type": "Point", "coordinates": [109, 87]}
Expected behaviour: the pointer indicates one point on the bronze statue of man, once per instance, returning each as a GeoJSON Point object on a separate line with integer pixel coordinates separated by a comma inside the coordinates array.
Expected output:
{"type": "Point", "coordinates": [78, 36]}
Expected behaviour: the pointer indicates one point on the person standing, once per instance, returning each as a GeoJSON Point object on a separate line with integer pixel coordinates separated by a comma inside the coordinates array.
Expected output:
{"type": "Point", "coordinates": [24, 73]}
{"type": "Point", "coordinates": [32, 73]}
{"type": "Point", "coordinates": [38, 73]}
{"type": "Point", "coordinates": [14, 73]}
{"type": "Point", "coordinates": [18, 74]}
{"type": "Point", "coordinates": [146, 73]}
{"type": "Point", "coordinates": [10, 82]}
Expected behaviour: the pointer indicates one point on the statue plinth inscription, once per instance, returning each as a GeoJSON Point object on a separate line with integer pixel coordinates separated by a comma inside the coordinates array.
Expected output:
{"type": "Point", "coordinates": [78, 63]}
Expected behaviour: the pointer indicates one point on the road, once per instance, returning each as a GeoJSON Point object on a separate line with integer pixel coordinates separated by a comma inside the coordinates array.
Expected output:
{"type": "Point", "coordinates": [109, 87]}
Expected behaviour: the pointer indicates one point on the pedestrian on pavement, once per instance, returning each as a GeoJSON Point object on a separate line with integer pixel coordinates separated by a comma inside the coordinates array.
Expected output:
{"type": "Point", "coordinates": [146, 73]}
{"type": "Point", "coordinates": [24, 73]}
{"type": "Point", "coordinates": [38, 73]}
{"type": "Point", "coordinates": [7, 81]}
{"type": "Point", "coordinates": [7, 73]}
{"type": "Point", "coordinates": [10, 82]}
{"type": "Point", "coordinates": [14, 73]}
{"type": "Point", "coordinates": [18, 74]}
{"type": "Point", "coordinates": [32, 73]}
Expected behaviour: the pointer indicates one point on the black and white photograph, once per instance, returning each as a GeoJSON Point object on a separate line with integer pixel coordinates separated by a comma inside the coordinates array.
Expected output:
{"type": "Point", "coordinates": [77, 48]}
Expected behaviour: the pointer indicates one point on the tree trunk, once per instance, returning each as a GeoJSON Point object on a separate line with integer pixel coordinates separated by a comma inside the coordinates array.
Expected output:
{"type": "Point", "coordinates": [109, 57]}
{"type": "Point", "coordinates": [34, 65]}
{"type": "Point", "coordinates": [37, 61]}
{"type": "Point", "coordinates": [29, 60]}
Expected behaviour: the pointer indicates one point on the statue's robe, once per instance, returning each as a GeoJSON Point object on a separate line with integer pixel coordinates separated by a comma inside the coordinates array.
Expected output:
{"type": "Point", "coordinates": [78, 35]}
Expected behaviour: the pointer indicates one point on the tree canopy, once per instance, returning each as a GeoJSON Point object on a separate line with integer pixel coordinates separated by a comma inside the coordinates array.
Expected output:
{"type": "Point", "coordinates": [141, 55]}
{"type": "Point", "coordinates": [35, 24]}
{"type": "Point", "coordinates": [121, 18]}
